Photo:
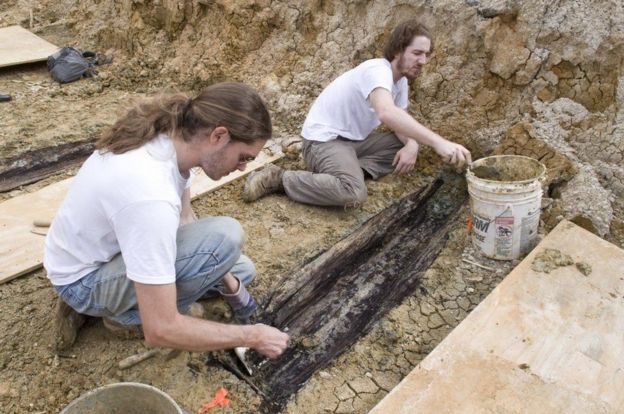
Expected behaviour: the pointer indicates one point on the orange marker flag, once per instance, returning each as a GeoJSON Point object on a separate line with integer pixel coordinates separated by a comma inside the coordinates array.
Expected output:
{"type": "Point", "coordinates": [219, 400]}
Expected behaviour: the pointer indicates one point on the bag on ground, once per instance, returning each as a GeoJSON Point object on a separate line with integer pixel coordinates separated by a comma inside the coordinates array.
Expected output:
{"type": "Point", "coordinates": [69, 64]}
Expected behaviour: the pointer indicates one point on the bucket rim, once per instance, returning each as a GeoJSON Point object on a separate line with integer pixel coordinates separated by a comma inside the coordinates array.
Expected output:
{"type": "Point", "coordinates": [122, 385]}
{"type": "Point", "coordinates": [538, 177]}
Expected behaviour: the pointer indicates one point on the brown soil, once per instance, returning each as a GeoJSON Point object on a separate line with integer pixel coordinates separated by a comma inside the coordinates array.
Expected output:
{"type": "Point", "coordinates": [281, 234]}
{"type": "Point", "coordinates": [507, 169]}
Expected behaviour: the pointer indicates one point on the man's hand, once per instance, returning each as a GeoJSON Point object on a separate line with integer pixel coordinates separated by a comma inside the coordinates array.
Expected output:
{"type": "Point", "coordinates": [268, 341]}
{"type": "Point", "coordinates": [164, 326]}
{"type": "Point", "coordinates": [452, 153]}
{"type": "Point", "coordinates": [405, 158]}
{"type": "Point", "coordinates": [399, 121]}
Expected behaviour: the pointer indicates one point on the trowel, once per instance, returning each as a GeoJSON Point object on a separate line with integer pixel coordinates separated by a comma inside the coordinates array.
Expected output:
{"type": "Point", "coordinates": [241, 352]}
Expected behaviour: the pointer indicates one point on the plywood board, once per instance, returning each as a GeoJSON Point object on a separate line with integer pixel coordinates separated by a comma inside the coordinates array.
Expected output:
{"type": "Point", "coordinates": [21, 244]}
{"type": "Point", "coordinates": [539, 343]}
{"type": "Point", "coordinates": [19, 46]}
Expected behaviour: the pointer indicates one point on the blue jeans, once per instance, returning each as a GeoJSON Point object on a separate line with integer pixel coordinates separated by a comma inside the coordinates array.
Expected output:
{"type": "Point", "coordinates": [206, 251]}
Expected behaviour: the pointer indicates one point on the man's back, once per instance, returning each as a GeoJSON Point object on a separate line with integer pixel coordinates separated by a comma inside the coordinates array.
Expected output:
{"type": "Point", "coordinates": [83, 234]}
{"type": "Point", "coordinates": [342, 109]}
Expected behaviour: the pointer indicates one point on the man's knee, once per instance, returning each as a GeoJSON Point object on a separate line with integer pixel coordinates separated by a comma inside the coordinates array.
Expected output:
{"type": "Point", "coordinates": [228, 230]}
{"type": "Point", "coordinates": [354, 196]}
{"type": "Point", "coordinates": [244, 270]}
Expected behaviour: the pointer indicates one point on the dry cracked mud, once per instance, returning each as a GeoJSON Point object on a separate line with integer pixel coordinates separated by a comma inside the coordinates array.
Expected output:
{"type": "Point", "coordinates": [541, 79]}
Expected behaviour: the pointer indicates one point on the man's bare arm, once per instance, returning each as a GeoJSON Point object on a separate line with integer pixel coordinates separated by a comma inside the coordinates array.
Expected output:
{"type": "Point", "coordinates": [404, 125]}
{"type": "Point", "coordinates": [164, 326]}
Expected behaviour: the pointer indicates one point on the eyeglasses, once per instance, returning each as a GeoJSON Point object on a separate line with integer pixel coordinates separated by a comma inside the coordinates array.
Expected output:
{"type": "Point", "coordinates": [244, 159]}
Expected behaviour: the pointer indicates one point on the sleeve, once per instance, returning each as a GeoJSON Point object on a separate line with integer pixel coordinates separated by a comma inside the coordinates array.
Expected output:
{"type": "Point", "coordinates": [147, 232]}
{"type": "Point", "coordinates": [374, 76]}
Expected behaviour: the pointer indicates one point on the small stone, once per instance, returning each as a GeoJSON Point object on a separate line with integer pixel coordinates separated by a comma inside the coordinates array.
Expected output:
{"type": "Point", "coordinates": [345, 407]}
{"type": "Point", "coordinates": [584, 268]}
{"type": "Point", "coordinates": [344, 393]}
{"type": "Point", "coordinates": [5, 389]}
{"type": "Point", "coordinates": [276, 232]}
{"type": "Point", "coordinates": [364, 386]}
{"type": "Point", "coordinates": [549, 259]}
{"type": "Point", "coordinates": [324, 374]}
{"type": "Point", "coordinates": [309, 341]}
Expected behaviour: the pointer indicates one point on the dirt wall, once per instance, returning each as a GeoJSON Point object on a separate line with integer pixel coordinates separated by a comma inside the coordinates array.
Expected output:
{"type": "Point", "coordinates": [538, 77]}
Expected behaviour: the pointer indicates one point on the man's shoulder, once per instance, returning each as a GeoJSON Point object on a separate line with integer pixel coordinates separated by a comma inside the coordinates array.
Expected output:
{"type": "Point", "coordinates": [375, 63]}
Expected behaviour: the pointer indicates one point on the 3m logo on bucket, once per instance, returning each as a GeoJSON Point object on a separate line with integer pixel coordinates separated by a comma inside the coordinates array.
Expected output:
{"type": "Point", "coordinates": [480, 228]}
{"type": "Point", "coordinates": [480, 224]}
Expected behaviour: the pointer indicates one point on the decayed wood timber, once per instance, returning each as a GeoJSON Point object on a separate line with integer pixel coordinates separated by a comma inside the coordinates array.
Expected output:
{"type": "Point", "coordinates": [332, 301]}
{"type": "Point", "coordinates": [41, 163]}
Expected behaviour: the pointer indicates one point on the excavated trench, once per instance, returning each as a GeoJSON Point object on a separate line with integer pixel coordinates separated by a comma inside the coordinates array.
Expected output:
{"type": "Point", "coordinates": [540, 79]}
{"type": "Point", "coordinates": [334, 300]}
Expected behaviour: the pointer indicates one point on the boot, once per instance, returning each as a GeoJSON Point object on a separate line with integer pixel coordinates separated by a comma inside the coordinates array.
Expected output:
{"type": "Point", "coordinates": [136, 331]}
{"type": "Point", "coordinates": [263, 182]}
{"type": "Point", "coordinates": [242, 303]}
{"type": "Point", "coordinates": [123, 331]}
{"type": "Point", "coordinates": [68, 322]}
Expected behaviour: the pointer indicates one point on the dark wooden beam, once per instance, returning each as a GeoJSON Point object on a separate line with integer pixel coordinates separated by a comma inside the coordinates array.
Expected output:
{"type": "Point", "coordinates": [38, 164]}
{"type": "Point", "coordinates": [331, 302]}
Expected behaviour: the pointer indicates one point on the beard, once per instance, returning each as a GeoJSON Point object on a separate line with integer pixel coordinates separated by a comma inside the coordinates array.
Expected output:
{"type": "Point", "coordinates": [213, 166]}
{"type": "Point", "coordinates": [409, 72]}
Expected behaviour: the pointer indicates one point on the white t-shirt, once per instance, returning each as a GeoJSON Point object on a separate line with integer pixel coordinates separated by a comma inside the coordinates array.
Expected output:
{"type": "Point", "coordinates": [128, 203]}
{"type": "Point", "coordinates": [343, 107]}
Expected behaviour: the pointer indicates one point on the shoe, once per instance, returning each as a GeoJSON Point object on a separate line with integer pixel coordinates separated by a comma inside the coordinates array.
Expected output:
{"type": "Point", "coordinates": [196, 311]}
{"type": "Point", "coordinates": [68, 322]}
{"type": "Point", "coordinates": [263, 182]}
{"type": "Point", "coordinates": [136, 332]}
{"type": "Point", "coordinates": [123, 331]}
{"type": "Point", "coordinates": [243, 304]}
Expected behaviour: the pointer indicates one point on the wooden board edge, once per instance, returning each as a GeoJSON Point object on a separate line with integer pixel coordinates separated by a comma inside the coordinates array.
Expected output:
{"type": "Point", "coordinates": [32, 268]}
{"type": "Point", "coordinates": [216, 185]}
{"type": "Point", "coordinates": [22, 62]}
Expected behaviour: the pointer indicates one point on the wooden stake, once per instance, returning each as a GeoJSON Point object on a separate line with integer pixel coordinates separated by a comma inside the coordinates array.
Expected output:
{"type": "Point", "coordinates": [478, 265]}
{"type": "Point", "coordinates": [135, 359]}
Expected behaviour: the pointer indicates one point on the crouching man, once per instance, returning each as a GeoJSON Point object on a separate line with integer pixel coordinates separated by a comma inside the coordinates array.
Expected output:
{"type": "Point", "coordinates": [125, 244]}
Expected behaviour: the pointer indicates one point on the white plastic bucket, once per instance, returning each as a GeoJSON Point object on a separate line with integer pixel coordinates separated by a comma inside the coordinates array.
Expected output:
{"type": "Point", "coordinates": [505, 199]}
{"type": "Point", "coordinates": [124, 397]}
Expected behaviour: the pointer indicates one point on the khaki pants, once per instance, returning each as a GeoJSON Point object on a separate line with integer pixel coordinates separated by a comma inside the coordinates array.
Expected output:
{"type": "Point", "coordinates": [336, 169]}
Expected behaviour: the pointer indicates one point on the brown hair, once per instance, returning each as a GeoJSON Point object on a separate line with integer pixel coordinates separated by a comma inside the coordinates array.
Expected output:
{"type": "Point", "coordinates": [402, 36]}
{"type": "Point", "coordinates": [229, 104]}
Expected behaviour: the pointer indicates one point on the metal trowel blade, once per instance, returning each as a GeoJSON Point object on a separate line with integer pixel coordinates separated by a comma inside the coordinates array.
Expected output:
{"type": "Point", "coordinates": [240, 352]}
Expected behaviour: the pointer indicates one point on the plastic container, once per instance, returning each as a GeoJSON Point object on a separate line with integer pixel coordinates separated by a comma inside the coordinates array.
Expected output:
{"type": "Point", "coordinates": [505, 199]}
{"type": "Point", "coordinates": [126, 398]}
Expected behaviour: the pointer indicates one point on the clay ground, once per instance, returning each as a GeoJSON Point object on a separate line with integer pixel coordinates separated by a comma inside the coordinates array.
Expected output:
{"type": "Point", "coordinates": [281, 235]}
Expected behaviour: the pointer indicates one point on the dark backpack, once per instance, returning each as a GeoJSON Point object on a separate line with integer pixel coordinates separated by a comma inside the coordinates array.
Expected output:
{"type": "Point", "coordinates": [70, 64]}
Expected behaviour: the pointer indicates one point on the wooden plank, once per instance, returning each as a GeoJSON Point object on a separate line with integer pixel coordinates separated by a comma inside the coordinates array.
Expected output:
{"type": "Point", "coordinates": [21, 250]}
{"type": "Point", "coordinates": [19, 46]}
{"type": "Point", "coordinates": [203, 184]}
{"type": "Point", "coordinates": [539, 343]}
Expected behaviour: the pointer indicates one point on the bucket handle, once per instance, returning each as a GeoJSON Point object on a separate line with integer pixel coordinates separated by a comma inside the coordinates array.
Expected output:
{"type": "Point", "coordinates": [507, 207]}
